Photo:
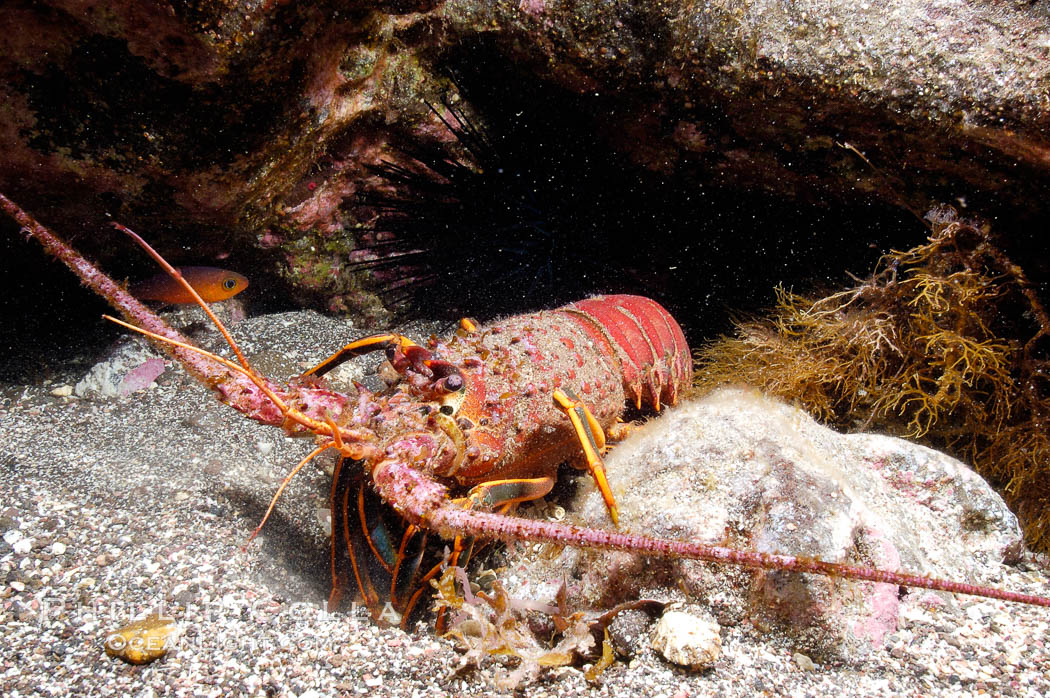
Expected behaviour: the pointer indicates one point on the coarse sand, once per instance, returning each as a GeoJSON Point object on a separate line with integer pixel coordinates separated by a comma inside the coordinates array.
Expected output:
{"type": "Point", "coordinates": [113, 508]}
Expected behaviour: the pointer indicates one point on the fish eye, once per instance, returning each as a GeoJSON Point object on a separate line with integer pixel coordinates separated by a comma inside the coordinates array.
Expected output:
{"type": "Point", "coordinates": [229, 284]}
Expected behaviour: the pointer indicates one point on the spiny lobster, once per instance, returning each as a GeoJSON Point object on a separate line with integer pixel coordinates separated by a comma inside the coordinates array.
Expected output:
{"type": "Point", "coordinates": [486, 416]}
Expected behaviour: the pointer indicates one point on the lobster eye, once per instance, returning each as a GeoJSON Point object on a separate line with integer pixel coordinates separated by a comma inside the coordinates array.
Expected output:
{"type": "Point", "coordinates": [454, 382]}
{"type": "Point", "coordinates": [446, 409]}
{"type": "Point", "coordinates": [229, 284]}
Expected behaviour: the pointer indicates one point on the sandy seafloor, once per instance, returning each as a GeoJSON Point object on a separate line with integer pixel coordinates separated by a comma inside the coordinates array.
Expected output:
{"type": "Point", "coordinates": [130, 505]}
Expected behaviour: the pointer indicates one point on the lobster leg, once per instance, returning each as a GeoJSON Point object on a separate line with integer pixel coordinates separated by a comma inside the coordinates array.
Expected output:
{"type": "Point", "coordinates": [344, 543]}
{"type": "Point", "coordinates": [592, 439]}
{"type": "Point", "coordinates": [497, 493]}
{"type": "Point", "coordinates": [501, 494]}
{"type": "Point", "coordinates": [352, 542]}
{"type": "Point", "coordinates": [357, 348]}
{"type": "Point", "coordinates": [388, 579]}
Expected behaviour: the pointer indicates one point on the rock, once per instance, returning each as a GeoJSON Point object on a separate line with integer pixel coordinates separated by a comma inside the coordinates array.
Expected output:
{"type": "Point", "coordinates": [22, 546]}
{"type": "Point", "coordinates": [804, 663]}
{"type": "Point", "coordinates": [131, 367]}
{"type": "Point", "coordinates": [259, 122]}
{"type": "Point", "coordinates": [142, 376]}
{"type": "Point", "coordinates": [143, 641]}
{"type": "Point", "coordinates": [742, 470]}
{"type": "Point", "coordinates": [688, 640]}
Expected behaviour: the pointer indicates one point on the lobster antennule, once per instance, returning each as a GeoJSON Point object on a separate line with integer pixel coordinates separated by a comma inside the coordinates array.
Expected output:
{"type": "Point", "coordinates": [260, 383]}
{"type": "Point", "coordinates": [349, 442]}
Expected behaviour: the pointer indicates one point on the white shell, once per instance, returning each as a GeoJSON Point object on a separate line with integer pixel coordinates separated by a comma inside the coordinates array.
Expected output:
{"type": "Point", "coordinates": [688, 640]}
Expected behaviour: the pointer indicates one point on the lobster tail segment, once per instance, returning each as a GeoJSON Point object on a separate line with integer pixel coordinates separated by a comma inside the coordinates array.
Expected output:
{"type": "Point", "coordinates": [646, 342]}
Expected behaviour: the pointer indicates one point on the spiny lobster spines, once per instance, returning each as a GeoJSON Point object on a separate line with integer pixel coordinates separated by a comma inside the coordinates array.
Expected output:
{"type": "Point", "coordinates": [491, 389]}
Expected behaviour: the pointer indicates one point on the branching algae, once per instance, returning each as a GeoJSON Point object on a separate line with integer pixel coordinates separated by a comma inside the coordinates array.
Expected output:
{"type": "Point", "coordinates": [946, 342]}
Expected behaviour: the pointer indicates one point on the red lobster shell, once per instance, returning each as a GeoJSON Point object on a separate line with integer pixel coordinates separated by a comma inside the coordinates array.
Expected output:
{"type": "Point", "coordinates": [610, 349]}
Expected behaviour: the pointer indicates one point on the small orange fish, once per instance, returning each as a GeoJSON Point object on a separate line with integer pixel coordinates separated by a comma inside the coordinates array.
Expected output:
{"type": "Point", "coordinates": [211, 283]}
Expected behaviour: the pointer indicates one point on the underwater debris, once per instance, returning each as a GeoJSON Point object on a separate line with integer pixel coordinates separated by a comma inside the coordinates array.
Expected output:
{"type": "Point", "coordinates": [143, 641]}
{"type": "Point", "coordinates": [496, 624]}
{"type": "Point", "coordinates": [946, 342]}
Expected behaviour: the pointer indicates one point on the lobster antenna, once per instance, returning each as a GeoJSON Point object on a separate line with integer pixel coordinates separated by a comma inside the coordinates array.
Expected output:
{"type": "Point", "coordinates": [174, 273]}
{"type": "Point", "coordinates": [423, 503]}
{"type": "Point", "coordinates": [484, 524]}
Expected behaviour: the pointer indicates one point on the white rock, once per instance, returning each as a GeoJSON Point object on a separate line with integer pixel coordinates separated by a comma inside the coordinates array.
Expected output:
{"type": "Point", "coordinates": [740, 469]}
{"type": "Point", "coordinates": [688, 640]}
{"type": "Point", "coordinates": [23, 545]}
{"type": "Point", "coordinates": [106, 378]}
{"type": "Point", "coordinates": [804, 663]}
{"type": "Point", "coordinates": [324, 517]}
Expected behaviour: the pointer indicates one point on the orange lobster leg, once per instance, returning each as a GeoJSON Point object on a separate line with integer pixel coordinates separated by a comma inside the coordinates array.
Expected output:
{"type": "Point", "coordinates": [343, 544]}
{"type": "Point", "coordinates": [363, 556]}
{"type": "Point", "coordinates": [502, 494]}
{"type": "Point", "coordinates": [357, 348]}
{"type": "Point", "coordinates": [496, 493]}
{"type": "Point", "coordinates": [592, 439]}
